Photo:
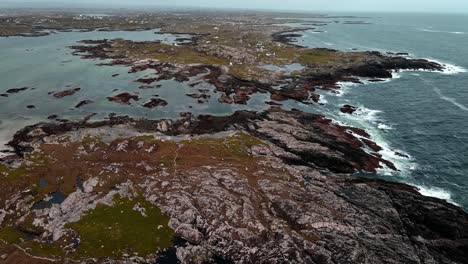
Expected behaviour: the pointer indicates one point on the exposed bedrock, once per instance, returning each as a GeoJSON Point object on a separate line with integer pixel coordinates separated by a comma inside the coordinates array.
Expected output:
{"type": "Point", "coordinates": [310, 139]}
{"type": "Point", "coordinates": [124, 98]}
{"type": "Point", "coordinates": [323, 69]}
{"type": "Point", "coordinates": [274, 195]}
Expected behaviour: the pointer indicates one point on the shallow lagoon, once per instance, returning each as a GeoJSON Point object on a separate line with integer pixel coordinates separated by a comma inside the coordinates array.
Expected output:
{"type": "Point", "coordinates": [47, 65]}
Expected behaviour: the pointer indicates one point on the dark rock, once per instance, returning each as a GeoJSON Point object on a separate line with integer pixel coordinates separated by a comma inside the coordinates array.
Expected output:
{"type": "Point", "coordinates": [124, 98]}
{"type": "Point", "coordinates": [199, 96]}
{"type": "Point", "coordinates": [402, 155]}
{"type": "Point", "coordinates": [155, 102]}
{"type": "Point", "coordinates": [348, 109]}
{"type": "Point", "coordinates": [17, 90]}
{"type": "Point", "coordinates": [273, 103]}
{"type": "Point", "coordinates": [84, 102]}
{"type": "Point", "coordinates": [375, 80]}
{"type": "Point", "coordinates": [372, 145]}
{"type": "Point", "coordinates": [67, 92]}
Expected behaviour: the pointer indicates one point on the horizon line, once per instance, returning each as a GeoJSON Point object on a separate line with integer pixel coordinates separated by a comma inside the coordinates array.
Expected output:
{"type": "Point", "coordinates": [59, 5]}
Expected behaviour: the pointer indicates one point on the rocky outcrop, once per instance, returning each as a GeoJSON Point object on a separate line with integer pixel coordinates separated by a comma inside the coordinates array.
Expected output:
{"type": "Point", "coordinates": [124, 98]}
{"type": "Point", "coordinates": [155, 102]}
{"type": "Point", "coordinates": [275, 198]}
{"type": "Point", "coordinates": [313, 139]}
{"type": "Point", "coordinates": [83, 103]}
{"type": "Point", "coordinates": [67, 92]}
{"type": "Point", "coordinates": [348, 109]}
{"type": "Point", "coordinates": [17, 90]}
{"type": "Point", "coordinates": [234, 55]}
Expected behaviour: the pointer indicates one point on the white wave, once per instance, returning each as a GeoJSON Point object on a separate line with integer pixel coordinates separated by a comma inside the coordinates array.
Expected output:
{"type": "Point", "coordinates": [449, 99]}
{"type": "Point", "coordinates": [404, 164]}
{"type": "Point", "coordinates": [383, 126]}
{"type": "Point", "coordinates": [372, 123]}
{"type": "Point", "coordinates": [396, 75]}
{"type": "Point", "coordinates": [345, 87]}
{"type": "Point", "coordinates": [322, 99]}
{"type": "Point", "coordinates": [427, 30]}
{"type": "Point", "coordinates": [8, 128]}
{"type": "Point", "coordinates": [441, 31]}
{"type": "Point", "coordinates": [449, 69]}
{"type": "Point", "coordinates": [437, 193]}
{"type": "Point", "coordinates": [453, 69]}
{"type": "Point", "coordinates": [367, 114]}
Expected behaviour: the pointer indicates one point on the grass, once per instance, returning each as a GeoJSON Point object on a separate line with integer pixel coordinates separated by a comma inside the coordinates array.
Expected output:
{"type": "Point", "coordinates": [233, 147]}
{"type": "Point", "coordinates": [43, 249]}
{"type": "Point", "coordinates": [88, 140]}
{"type": "Point", "coordinates": [248, 73]}
{"type": "Point", "coordinates": [11, 175]}
{"type": "Point", "coordinates": [111, 231]}
{"type": "Point", "coordinates": [315, 56]}
{"type": "Point", "coordinates": [165, 53]}
{"type": "Point", "coordinates": [12, 236]}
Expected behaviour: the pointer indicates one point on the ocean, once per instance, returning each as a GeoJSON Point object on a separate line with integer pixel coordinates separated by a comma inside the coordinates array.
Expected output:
{"type": "Point", "coordinates": [421, 114]}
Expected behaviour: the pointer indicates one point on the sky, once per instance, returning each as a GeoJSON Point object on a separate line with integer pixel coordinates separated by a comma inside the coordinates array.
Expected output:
{"type": "Point", "coordinates": [457, 6]}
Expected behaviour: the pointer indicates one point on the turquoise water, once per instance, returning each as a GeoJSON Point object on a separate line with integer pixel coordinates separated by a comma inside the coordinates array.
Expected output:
{"type": "Point", "coordinates": [422, 114]}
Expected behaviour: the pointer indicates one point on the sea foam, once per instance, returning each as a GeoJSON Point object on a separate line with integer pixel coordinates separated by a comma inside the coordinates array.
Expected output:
{"type": "Point", "coordinates": [449, 69]}
{"type": "Point", "coordinates": [376, 127]}
{"type": "Point", "coordinates": [437, 193]}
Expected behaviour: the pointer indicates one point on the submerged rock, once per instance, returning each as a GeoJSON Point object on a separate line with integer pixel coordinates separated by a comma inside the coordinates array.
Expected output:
{"type": "Point", "coordinates": [17, 90]}
{"type": "Point", "coordinates": [65, 93]}
{"type": "Point", "coordinates": [124, 98]}
{"type": "Point", "coordinates": [83, 103]}
{"type": "Point", "coordinates": [155, 102]}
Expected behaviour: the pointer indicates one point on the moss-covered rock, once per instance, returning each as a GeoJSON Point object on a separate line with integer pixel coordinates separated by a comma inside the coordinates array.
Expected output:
{"type": "Point", "coordinates": [128, 226]}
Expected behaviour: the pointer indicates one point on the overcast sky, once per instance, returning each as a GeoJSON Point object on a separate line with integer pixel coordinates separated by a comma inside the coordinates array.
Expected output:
{"type": "Point", "coordinates": [305, 5]}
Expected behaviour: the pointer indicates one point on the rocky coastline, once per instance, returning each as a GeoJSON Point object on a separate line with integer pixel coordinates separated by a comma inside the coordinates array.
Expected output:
{"type": "Point", "coordinates": [273, 186]}
{"type": "Point", "coordinates": [286, 193]}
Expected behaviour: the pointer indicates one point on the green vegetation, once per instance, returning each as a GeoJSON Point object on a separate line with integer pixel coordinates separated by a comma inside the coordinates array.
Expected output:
{"type": "Point", "coordinates": [88, 140]}
{"type": "Point", "coordinates": [37, 158]}
{"type": "Point", "coordinates": [43, 249]}
{"type": "Point", "coordinates": [164, 53]}
{"type": "Point", "coordinates": [235, 146]}
{"type": "Point", "coordinates": [11, 174]}
{"type": "Point", "coordinates": [111, 231]}
{"type": "Point", "coordinates": [315, 56]}
{"type": "Point", "coordinates": [10, 235]}
{"type": "Point", "coordinates": [248, 73]}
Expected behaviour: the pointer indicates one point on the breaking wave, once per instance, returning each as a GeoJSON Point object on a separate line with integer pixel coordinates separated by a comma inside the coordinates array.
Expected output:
{"type": "Point", "coordinates": [376, 127]}
{"type": "Point", "coordinates": [437, 193]}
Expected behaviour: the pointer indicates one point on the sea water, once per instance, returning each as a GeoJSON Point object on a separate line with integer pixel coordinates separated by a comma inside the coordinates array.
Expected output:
{"type": "Point", "coordinates": [421, 114]}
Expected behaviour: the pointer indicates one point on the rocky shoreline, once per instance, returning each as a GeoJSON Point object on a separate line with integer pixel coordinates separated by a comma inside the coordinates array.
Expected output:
{"type": "Point", "coordinates": [301, 86]}
{"type": "Point", "coordinates": [284, 194]}
{"type": "Point", "coordinates": [276, 186]}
